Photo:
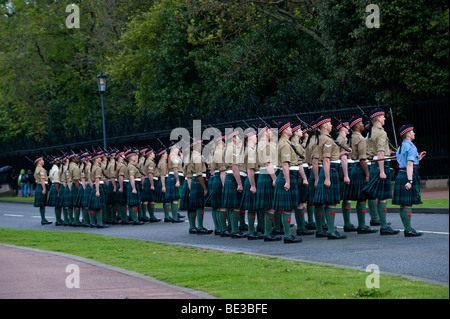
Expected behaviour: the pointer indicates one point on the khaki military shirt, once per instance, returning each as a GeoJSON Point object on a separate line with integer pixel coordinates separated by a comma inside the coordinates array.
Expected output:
{"type": "Point", "coordinates": [327, 148]}
{"type": "Point", "coordinates": [267, 152]}
{"type": "Point", "coordinates": [359, 147]}
{"type": "Point", "coordinates": [174, 162]}
{"type": "Point", "coordinates": [87, 171]}
{"type": "Point", "coordinates": [74, 172]}
{"type": "Point", "coordinates": [149, 167]}
{"type": "Point", "coordinates": [162, 169]}
{"type": "Point", "coordinates": [342, 140]}
{"type": "Point", "coordinates": [40, 173]}
{"type": "Point", "coordinates": [234, 155]}
{"type": "Point", "coordinates": [96, 172]}
{"type": "Point", "coordinates": [54, 174]}
{"type": "Point", "coordinates": [378, 141]}
{"type": "Point", "coordinates": [286, 153]}
{"type": "Point", "coordinates": [111, 170]}
{"type": "Point", "coordinates": [251, 158]}
{"type": "Point", "coordinates": [133, 171]}
{"type": "Point", "coordinates": [219, 159]}
{"type": "Point", "coordinates": [198, 164]}
{"type": "Point", "coordinates": [121, 170]}
{"type": "Point", "coordinates": [299, 150]}
{"type": "Point", "coordinates": [314, 148]}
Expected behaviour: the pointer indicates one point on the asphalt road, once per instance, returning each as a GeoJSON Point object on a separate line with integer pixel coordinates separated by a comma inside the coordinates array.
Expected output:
{"type": "Point", "coordinates": [425, 258]}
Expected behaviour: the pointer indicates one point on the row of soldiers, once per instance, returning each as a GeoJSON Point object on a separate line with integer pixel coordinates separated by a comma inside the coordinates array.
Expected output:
{"type": "Point", "coordinates": [265, 175]}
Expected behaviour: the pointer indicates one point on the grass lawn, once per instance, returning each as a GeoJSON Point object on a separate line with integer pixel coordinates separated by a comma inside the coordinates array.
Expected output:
{"type": "Point", "coordinates": [224, 274]}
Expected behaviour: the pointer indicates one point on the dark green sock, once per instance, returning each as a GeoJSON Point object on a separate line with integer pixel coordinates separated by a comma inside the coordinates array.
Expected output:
{"type": "Point", "coordinates": [346, 207]}
{"type": "Point", "coordinates": [260, 215]}
{"type": "Point", "coordinates": [242, 218]}
{"type": "Point", "coordinates": [373, 210]}
{"type": "Point", "coordinates": [200, 214]}
{"type": "Point", "coordinates": [191, 218]}
{"type": "Point", "coordinates": [144, 210]}
{"type": "Point", "coordinates": [319, 211]}
{"type": "Point", "coordinates": [108, 210]}
{"type": "Point", "coordinates": [277, 220]}
{"type": "Point", "coordinates": [215, 216]}
{"type": "Point", "coordinates": [99, 216]}
{"type": "Point", "coordinates": [174, 209]}
{"type": "Point", "coordinates": [85, 216]}
{"type": "Point", "coordinates": [66, 215]}
{"type": "Point", "coordinates": [268, 220]}
{"type": "Point", "coordinates": [406, 214]}
{"type": "Point", "coordinates": [92, 217]}
{"type": "Point", "coordinates": [234, 216]}
{"type": "Point", "coordinates": [151, 210]}
{"type": "Point", "coordinates": [134, 213]}
{"type": "Point", "coordinates": [223, 220]}
{"type": "Point", "coordinates": [251, 217]}
{"type": "Point", "coordinates": [310, 212]}
{"type": "Point", "coordinates": [330, 212]}
{"type": "Point", "coordinates": [286, 217]}
{"type": "Point", "coordinates": [166, 208]}
{"type": "Point", "coordinates": [382, 211]}
{"type": "Point", "coordinates": [361, 214]}
{"type": "Point", "coordinates": [42, 213]}
{"type": "Point", "coordinates": [300, 218]}
{"type": "Point", "coordinates": [58, 214]}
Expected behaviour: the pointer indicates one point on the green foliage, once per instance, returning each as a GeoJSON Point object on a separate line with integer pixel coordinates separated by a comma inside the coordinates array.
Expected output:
{"type": "Point", "coordinates": [175, 56]}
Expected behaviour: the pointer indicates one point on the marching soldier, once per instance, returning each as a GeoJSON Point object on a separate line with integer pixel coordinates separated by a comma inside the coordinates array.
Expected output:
{"type": "Point", "coordinates": [407, 183]}
{"type": "Point", "coordinates": [267, 156]}
{"type": "Point", "coordinates": [110, 196]}
{"type": "Point", "coordinates": [186, 188]}
{"type": "Point", "coordinates": [359, 174]}
{"type": "Point", "coordinates": [133, 191]}
{"type": "Point", "coordinates": [198, 189]}
{"type": "Point", "coordinates": [83, 191]}
{"type": "Point", "coordinates": [54, 192]}
{"type": "Point", "coordinates": [148, 192]}
{"type": "Point", "coordinates": [379, 185]}
{"type": "Point", "coordinates": [172, 194]}
{"type": "Point", "coordinates": [233, 186]}
{"type": "Point", "coordinates": [327, 186]}
{"type": "Point", "coordinates": [161, 172]}
{"type": "Point", "coordinates": [297, 170]}
{"type": "Point", "coordinates": [40, 197]}
{"type": "Point", "coordinates": [372, 203]}
{"type": "Point", "coordinates": [97, 198]}
{"type": "Point", "coordinates": [309, 139]}
{"type": "Point", "coordinates": [121, 187]}
{"type": "Point", "coordinates": [346, 164]}
{"type": "Point", "coordinates": [248, 201]}
{"type": "Point", "coordinates": [285, 197]}
{"type": "Point", "coordinates": [74, 184]}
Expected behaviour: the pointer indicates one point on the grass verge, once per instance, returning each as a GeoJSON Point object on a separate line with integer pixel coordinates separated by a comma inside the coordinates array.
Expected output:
{"type": "Point", "coordinates": [224, 274]}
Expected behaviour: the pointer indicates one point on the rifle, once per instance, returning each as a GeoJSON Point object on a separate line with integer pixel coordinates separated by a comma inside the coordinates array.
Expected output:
{"type": "Point", "coordinates": [317, 130]}
{"type": "Point", "coordinates": [364, 115]}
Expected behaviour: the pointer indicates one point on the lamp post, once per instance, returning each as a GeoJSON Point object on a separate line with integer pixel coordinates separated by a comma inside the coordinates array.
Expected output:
{"type": "Point", "coordinates": [101, 81]}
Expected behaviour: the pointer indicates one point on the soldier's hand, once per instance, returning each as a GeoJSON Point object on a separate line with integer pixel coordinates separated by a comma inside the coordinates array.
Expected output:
{"type": "Point", "coordinates": [163, 189]}
{"type": "Point", "coordinates": [253, 190]}
{"type": "Point", "coordinates": [346, 180]}
{"type": "Point", "coordinates": [382, 176]}
{"type": "Point", "coordinates": [177, 184]}
{"type": "Point", "coordinates": [97, 194]}
{"type": "Point", "coordinates": [287, 186]}
{"type": "Point", "coordinates": [152, 188]}
{"type": "Point", "coordinates": [205, 192]}
{"type": "Point", "coordinates": [327, 183]}
{"type": "Point", "coordinates": [408, 186]}
{"type": "Point", "coordinates": [305, 182]}
{"type": "Point", "coordinates": [239, 188]}
{"type": "Point", "coordinates": [120, 190]}
{"type": "Point", "coordinates": [134, 191]}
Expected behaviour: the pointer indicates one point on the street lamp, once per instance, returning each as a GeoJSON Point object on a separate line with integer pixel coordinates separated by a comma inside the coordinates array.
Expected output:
{"type": "Point", "coordinates": [101, 81]}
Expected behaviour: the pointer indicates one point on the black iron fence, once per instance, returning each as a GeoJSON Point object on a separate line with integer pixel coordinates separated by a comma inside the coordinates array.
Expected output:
{"type": "Point", "coordinates": [429, 117]}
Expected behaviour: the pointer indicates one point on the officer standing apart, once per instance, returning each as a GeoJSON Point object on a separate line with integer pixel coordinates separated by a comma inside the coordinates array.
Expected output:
{"type": "Point", "coordinates": [407, 185]}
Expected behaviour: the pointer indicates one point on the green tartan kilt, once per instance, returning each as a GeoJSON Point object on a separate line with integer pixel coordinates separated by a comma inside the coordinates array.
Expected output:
{"type": "Point", "coordinates": [302, 190]}
{"type": "Point", "coordinates": [121, 198]}
{"type": "Point", "coordinates": [67, 200]}
{"type": "Point", "coordinates": [353, 191]}
{"type": "Point", "coordinates": [39, 199]}
{"type": "Point", "coordinates": [209, 186]}
{"type": "Point", "coordinates": [248, 201]}
{"type": "Point", "coordinates": [79, 200]}
{"type": "Point", "coordinates": [196, 197]}
{"type": "Point", "coordinates": [264, 192]}
{"type": "Point", "coordinates": [96, 203]}
{"type": "Point", "coordinates": [52, 200]}
{"type": "Point", "coordinates": [311, 189]}
{"type": "Point", "coordinates": [146, 195]}
{"type": "Point", "coordinates": [184, 197]}
{"type": "Point", "coordinates": [294, 178]}
{"type": "Point", "coordinates": [329, 195]}
{"type": "Point", "coordinates": [86, 195]}
{"type": "Point", "coordinates": [284, 200]}
{"type": "Point", "coordinates": [215, 195]}
{"type": "Point", "coordinates": [402, 196]}
{"type": "Point", "coordinates": [74, 195]}
{"type": "Point", "coordinates": [376, 188]}
{"type": "Point", "coordinates": [231, 198]}
{"type": "Point", "coordinates": [134, 199]}
{"type": "Point", "coordinates": [110, 196]}
{"type": "Point", "coordinates": [159, 194]}
{"type": "Point", "coordinates": [172, 192]}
